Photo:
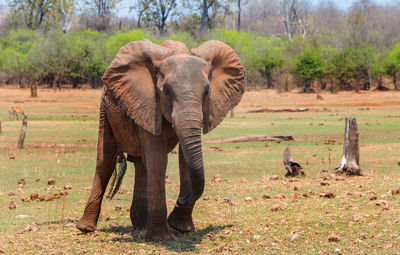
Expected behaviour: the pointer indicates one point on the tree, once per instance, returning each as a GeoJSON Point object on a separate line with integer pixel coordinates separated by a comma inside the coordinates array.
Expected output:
{"type": "Point", "coordinates": [309, 67]}
{"type": "Point", "coordinates": [102, 12]}
{"type": "Point", "coordinates": [31, 13]}
{"type": "Point", "coordinates": [141, 7]}
{"type": "Point", "coordinates": [65, 10]}
{"type": "Point", "coordinates": [392, 64]}
{"type": "Point", "coordinates": [158, 12]}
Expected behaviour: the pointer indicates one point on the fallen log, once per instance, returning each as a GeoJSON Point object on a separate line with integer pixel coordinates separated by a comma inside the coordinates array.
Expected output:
{"type": "Point", "coordinates": [292, 167]}
{"type": "Point", "coordinates": [278, 110]}
{"type": "Point", "coordinates": [252, 138]}
{"type": "Point", "coordinates": [351, 154]}
{"type": "Point", "coordinates": [22, 133]}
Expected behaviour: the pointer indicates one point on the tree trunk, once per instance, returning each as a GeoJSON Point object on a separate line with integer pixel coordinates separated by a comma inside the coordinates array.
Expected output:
{"type": "Point", "coordinates": [351, 155]}
{"type": "Point", "coordinates": [239, 13]}
{"type": "Point", "coordinates": [33, 87]}
{"type": "Point", "coordinates": [292, 167]}
{"type": "Point", "coordinates": [203, 16]}
{"type": "Point", "coordinates": [395, 81]}
{"type": "Point", "coordinates": [22, 133]}
{"type": "Point", "coordinates": [1, 131]}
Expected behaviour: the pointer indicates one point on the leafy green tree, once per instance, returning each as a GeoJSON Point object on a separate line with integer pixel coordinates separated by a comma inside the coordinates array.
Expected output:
{"type": "Point", "coordinates": [32, 13]}
{"type": "Point", "coordinates": [392, 64]}
{"type": "Point", "coordinates": [119, 39]}
{"type": "Point", "coordinates": [309, 67]}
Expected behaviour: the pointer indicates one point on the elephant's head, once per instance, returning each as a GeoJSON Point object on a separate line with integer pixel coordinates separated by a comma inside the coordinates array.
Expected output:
{"type": "Point", "coordinates": [191, 92]}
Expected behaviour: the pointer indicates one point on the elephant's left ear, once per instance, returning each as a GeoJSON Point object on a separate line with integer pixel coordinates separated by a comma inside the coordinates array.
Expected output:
{"type": "Point", "coordinates": [227, 85]}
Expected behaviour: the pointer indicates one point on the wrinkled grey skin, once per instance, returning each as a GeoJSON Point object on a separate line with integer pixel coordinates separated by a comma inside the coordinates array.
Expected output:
{"type": "Point", "coordinates": [182, 88]}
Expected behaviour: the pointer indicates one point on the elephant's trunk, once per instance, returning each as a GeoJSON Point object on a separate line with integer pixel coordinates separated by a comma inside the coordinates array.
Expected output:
{"type": "Point", "coordinates": [189, 134]}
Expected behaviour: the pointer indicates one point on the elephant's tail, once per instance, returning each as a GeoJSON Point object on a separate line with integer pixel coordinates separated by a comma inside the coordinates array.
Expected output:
{"type": "Point", "coordinates": [118, 175]}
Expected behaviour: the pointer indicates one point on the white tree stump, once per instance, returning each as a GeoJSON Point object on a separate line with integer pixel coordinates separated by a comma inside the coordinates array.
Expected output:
{"type": "Point", "coordinates": [23, 132]}
{"type": "Point", "coordinates": [292, 167]}
{"type": "Point", "coordinates": [350, 163]}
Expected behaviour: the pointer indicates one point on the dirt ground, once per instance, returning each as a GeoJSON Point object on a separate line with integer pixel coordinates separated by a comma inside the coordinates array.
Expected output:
{"type": "Point", "coordinates": [248, 207]}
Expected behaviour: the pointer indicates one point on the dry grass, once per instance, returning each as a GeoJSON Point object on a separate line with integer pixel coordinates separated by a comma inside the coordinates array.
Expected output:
{"type": "Point", "coordinates": [232, 217]}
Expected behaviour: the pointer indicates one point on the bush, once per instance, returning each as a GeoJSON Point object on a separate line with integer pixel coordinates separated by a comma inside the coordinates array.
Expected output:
{"type": "Point", "coordinates": [309, 67]}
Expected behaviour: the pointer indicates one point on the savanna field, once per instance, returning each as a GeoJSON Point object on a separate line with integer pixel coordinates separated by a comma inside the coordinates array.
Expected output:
{"type": "Point", "coordinates": [248, 206]}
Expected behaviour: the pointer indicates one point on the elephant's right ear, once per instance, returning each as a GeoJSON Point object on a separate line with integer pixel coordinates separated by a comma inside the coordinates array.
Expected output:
{"type": "Point", "coordinates": [131, 81]}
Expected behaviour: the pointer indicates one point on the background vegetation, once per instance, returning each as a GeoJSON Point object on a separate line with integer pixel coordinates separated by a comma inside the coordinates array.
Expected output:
{"type": "Point", "coordinates": [281, 43]}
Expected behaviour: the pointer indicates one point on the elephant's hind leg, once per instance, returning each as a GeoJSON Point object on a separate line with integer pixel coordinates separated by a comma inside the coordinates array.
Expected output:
{"type": "Point", "coordinates": [139, 201]}
{"type": "Point", "coordinates": [106, 160]}
{"type": "Point", "coordinates": [181, 217]}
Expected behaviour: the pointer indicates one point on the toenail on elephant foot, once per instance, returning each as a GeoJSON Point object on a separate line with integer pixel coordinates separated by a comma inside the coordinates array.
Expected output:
{"type": "Point", "coordinates": [181, 220]}
{"type": "Point", "coordinates": [85, 228]}
{"type": "Point", "coordinates": [158, 236]}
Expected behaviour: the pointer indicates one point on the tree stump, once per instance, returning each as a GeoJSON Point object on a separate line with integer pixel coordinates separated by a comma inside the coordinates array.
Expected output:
{"type": "Point", "coordinates": [22, 132]}
{"type": "Point", "coordinates": [351, 154]}
{"type": "Point", "coordinates": [33, 87]}
{"type": "Point", "coordinates": [293, 168]}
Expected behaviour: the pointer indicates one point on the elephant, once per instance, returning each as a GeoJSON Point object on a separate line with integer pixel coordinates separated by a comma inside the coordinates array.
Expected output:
{"type": "Point", "coordinates": [156, 96]}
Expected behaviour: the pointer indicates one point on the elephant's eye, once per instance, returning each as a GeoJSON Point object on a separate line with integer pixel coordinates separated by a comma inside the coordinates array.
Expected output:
{"type": "Point", "coordinates": [167, 91]}
{"type": "Point", "coordinates": [207, 91]}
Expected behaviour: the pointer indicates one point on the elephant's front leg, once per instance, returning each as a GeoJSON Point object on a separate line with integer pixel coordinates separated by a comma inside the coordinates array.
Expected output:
{"type": "Point", "coordinates": [106, 160]}
{"type": "Point", "coordinates": [139, 201]}
{"type": "Point", "coordinates": [181, 217]}
{"type": "Point", "coordinates": [155, 159]}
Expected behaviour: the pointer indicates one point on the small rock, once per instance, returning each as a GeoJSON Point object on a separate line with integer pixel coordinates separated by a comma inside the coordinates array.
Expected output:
{"type": "Point", "coordinates": [279, 207]}
{"type": "Point", "coordinates": [21, 182]}
{"type": "Point", "coordinates": [217, 178]}
{"type": "Point", "coordinates": [104, 217]}
{"type": "Point", "coordinates": [266, 197]}
{"type": "Point", "coordinates": [82, 202]}
{"type": "Point", "coordinates": [333, 238]}
{"type": "Point", "coordinates": [31, 228]}
{"type": "Point", "coordinates": [113, 224]}
{"type": "Point", "coordinates": [51, 181]}
{"type": "Point", "coordinates": [49, 198]}
{"type": "Point", "coordinates": [71, 219]}
{"type": "Point", "coordinates": [11, 194]}
{"type": "Point", "coordinates": [122, 191]}
{"type": "Point", "coordinates": [52, 226]}
{"type": "Point", "coordinates": [38, 179]}
{"type": "Point", "coordinates": [63, 192]}
{"type": "Point", "coordinates": [372, 196]}
{"type": "Point", "coordinates": [69, 225]}
{"type": "Point", "coordinates": [248, 199]}
{"type": "Point", "coordinates": [206, 198]}
{"type": "Point", "coordinates": [324, 183]}
{"type": "Point", "coordinates": [67, 186]}
{"type": "Point", "coordinates": [25, 199]}
{"type": "Point", "coordinates": [34, 196]}
{"type": "Point", "coordinates": [280, 196]}
{"type": "Point", "coordinates": [327, 194]}
{"type": "Point", "coordinates": [274, 177]}
{"type": "Point", "coordinates": [396, 192]}
{"type": "Point", "coordinates": [23, 216]}
{"type": "Point", "coordinates": [12, 205]}
{"type": "Point", "coordinates": [292, 236]}
{"type": "Point", "coordinates": [118, 208]}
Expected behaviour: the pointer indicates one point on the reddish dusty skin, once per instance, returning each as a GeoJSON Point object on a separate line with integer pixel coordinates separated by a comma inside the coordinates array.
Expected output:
{"type": "Point", "coordinates": [156, 96]}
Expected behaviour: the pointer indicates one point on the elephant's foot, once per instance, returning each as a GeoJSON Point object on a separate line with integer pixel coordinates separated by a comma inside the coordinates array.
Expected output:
{"type": "Point", "coordinates": [158, 234]}
{"type": "Point", "coordinates": [181, 219]}
{"type": "Point", "coordinates": [85, 226]}
{"type": "Point", "coordinates": [139, 213]}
